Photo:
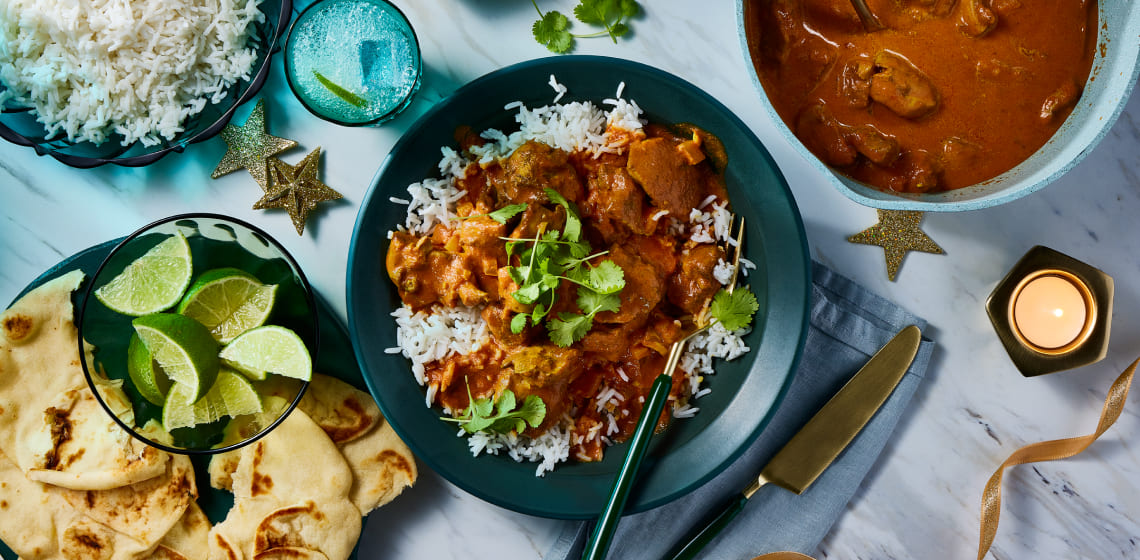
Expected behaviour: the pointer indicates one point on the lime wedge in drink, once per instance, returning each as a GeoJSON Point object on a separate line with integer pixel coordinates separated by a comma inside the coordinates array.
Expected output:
{"type": "Point", "coordinates": [151, 283]}
{"type": "Point", "coordinates": [269, 349]}
{"type": "Point", "coordinates": [231, 395]}
{"type": "Point", "coordinates": [183, 348]}
{"type": "Point", "coordinates": [229, 302]}
{"type": "Point", "coordinates": [151, 382]}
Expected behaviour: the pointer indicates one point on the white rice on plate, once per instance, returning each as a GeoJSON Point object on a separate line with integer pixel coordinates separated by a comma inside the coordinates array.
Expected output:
{"type": "Point", "coordinates": [427, 337]}
{"type": "Point", "coordinates": [137, 68]}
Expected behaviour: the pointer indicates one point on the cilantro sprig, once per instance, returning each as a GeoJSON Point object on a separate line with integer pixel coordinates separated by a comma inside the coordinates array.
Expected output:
{"type": "Point", "coordinates": [553, 28]}
{"type": "Point", "coordinates": [483, 415]}
{"type": "Point", "coordinates": [502, 215]}
{"type": "Point", "coordinates": [734, 309]}
{"type": "Point", "coordinates": [550, 258]}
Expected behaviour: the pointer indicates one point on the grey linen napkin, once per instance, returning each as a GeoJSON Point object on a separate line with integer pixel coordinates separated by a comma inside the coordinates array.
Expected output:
{"type": "Point", "coordinates": [847, 325]}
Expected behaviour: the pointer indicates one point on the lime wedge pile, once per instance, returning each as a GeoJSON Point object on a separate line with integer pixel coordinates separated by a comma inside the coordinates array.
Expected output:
{"type": "Point", "coordinates": [197, 362]}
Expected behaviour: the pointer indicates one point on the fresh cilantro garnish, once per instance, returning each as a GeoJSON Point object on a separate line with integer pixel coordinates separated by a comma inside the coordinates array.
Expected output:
{"type": "Point", "coordinates": [347, 96]}
{"type": "Point", "coordinates": [556, 256]}
{"type": "Point", "coordinates": [501, 215]}
{"type": "Point", "coordinates": [500, 417]}
{"type": "Point", "coordinates": [569, 328]}
{"type": "Point", "coordinates": [734, 310]}
{"type": "Point", "coordinates": [553, 29]}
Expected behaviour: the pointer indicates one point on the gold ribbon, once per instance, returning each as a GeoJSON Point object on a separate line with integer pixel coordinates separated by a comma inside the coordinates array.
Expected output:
{"type": "Point", "coordinates": [1049, 451]}
{"type": "Point", "coordinates": [1032, 453]}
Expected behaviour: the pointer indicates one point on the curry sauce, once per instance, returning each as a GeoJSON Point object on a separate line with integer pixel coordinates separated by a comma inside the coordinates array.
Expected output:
{"type": "Point", "coordinates": [950, 94]}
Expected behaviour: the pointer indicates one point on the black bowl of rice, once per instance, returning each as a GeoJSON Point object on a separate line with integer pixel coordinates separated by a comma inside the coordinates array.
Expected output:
{"type": "Point", "coordinates": [128, 83]}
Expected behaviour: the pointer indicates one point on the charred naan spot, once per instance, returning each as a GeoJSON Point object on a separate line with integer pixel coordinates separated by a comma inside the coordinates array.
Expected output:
{"type": "Point", "coordinates": [230, 553]}
{"type": "Point", "coordinates": [60, 422]}
{"type": "Point", "coordinates": [90, 498]}
{"type": "Point", "coordinates": [17, 327]}
{"type": "Point", "coordinates": [3, 504]}
{"type": "Point", "coordinates": [285, 553]}
{"type": "Point", "coordinates": [396, 462]}
{"type": "Point", "coordinates": [65, 462]}
{"type": "Point", "coordinates": [260, 483]}
{"type": "Point", "coordinates": [344, 433]}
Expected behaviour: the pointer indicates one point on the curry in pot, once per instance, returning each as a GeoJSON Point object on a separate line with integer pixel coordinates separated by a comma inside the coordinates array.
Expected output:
{"type": "Point", "coordinates": [952, 92]}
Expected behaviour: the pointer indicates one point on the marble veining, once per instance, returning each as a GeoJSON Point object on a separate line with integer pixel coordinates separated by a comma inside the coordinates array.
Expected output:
{"type": "Point", "coordinates": [921, 500]}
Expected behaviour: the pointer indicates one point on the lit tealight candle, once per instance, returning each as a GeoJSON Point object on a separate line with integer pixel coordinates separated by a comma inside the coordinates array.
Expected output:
{"type": "Point", "coordinates": [1050, 311]}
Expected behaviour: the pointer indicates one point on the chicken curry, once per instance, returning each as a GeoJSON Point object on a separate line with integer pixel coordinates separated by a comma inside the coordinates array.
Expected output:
{"type": "Point", "coordinates": [621, 206]}
{"type": "Point", "coordinates": [951, 93]}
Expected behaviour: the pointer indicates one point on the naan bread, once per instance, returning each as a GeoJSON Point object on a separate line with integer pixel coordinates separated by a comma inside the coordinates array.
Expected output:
{"type": "Point", "coordinates": [341, 410]}
{"type": "Point", "coordinates": [382, 466]}
{"type": "Point", "coordinates": [297, 460]}
{"type": "Point", "coordinates": [187, 540]}
{"type": "Point", "coordinates": [50, 424]}
{"type": "Point", "coordinates": [291, 489]}
{"type": "Point", "coordinates": [78, 445]}
{"type": "Point", "coordinates": [38, 524]}
{"type": "Point", "coordinates": [146, 510]}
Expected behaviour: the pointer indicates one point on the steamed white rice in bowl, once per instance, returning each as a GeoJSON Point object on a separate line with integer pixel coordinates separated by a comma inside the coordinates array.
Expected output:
{"type": "Point", "coordinates": [124, 71]}
{"type": "Point", "coordinates": [439, 332]}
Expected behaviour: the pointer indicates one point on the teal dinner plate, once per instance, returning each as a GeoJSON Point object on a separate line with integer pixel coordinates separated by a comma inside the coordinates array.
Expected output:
{"type": "Point", "coordinates": [745, 392]}
{"type": "Point", "coordinates": [335, 359]}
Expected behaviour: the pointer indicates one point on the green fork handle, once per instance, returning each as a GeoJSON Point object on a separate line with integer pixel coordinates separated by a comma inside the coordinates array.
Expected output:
{"type": "Point", "coordinates": [599, 542]}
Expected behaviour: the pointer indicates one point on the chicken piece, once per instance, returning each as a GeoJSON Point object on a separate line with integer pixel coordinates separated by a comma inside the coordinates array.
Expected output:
{"type": "Point", "coordinates": [534, 166]}
{"type": "Point", "coordinates": [537, 217]}
{"type": "Point", "coordinates": [881, 149]}
{"type": "Point", "coordinates": [1061, 99]}
{"type": "Point", "coordinates": [855, 81]}
{"type": "Point", "coordinates": [779, 22]}
{"type": "Point", "coordinates": [958, 153]}
{"type": "Point", "coordinates": [617, 203]}
{"type": "Point", "coordinates": [902, 87]}
{"type": "Point", "coordinates": [545, 371]}
{"type": "Point", "coordinates": [671, 183]}
{"type": "Point", "coordinates": [424, 275]}
{"type": "Point", "coordinates": [922, 171]}
{"type": "Point", "coordinates": [693, 286]}
{"type": "Point", "coordinates": [975, 18]}
{"type": "Point", "coordinates": [644, 288]}
{"type": "Point", "coordinates": [824, 136]}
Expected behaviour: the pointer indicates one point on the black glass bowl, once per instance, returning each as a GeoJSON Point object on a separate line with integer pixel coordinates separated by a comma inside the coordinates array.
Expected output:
{"type": "Point", "coordinates": [215, 242]}
{"type": "Point", "coordinates": [19, 126]}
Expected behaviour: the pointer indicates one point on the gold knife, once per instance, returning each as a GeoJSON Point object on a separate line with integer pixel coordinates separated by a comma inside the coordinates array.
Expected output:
{"type": "Point", "coordinates": [823, 438]}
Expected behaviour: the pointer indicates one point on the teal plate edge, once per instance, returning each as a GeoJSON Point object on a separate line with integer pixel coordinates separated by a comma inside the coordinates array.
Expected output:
{"type": "Point", "coordinates": [334, 359]}
{"type": "Point", "coordinates": [689, 453]}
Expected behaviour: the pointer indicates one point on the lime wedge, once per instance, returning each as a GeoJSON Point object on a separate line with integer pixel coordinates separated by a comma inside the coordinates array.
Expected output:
{"type": "Point", "coordinates": [269, 349]}
{"type": "Point", "coordinates": [151, 283]}
{"type": "Point", "coordinates": [231, 395]}
{"type": "Point", "coordinates": [183, 348]}
{"type": "Point", "coordinates": [151, 382]}
{"type": "Point", "coordinates": [249, 425]}
{"type": "Point", "coordinates": [229, 302]}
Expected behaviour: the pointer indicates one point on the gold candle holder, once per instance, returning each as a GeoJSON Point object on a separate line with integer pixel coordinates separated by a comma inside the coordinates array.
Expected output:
{"type": "Point", "coordinates": [1052, 312]}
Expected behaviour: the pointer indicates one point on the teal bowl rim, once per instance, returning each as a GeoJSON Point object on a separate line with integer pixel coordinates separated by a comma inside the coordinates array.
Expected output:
{"type": "Point", "coordinates": [399, 108]}
{"type": "Point", "coordinates": [88, 294]}
{"type": "Point", "coordinates": [638, 501]}
{"type": "Point", "coordinates": [967, 198]}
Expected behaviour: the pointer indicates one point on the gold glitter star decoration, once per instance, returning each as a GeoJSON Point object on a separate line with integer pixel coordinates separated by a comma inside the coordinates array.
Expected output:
{"type": "Point", "coordinates": [897, 232]}
{"type": "Point", "coordinates": [296, 189]}
{"type": "Point", "coordinates": [250, 147]}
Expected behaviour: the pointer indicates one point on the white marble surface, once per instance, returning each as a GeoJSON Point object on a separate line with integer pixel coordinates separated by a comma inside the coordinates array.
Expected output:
{"type": "Point", "coordinates": [921, 500]}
